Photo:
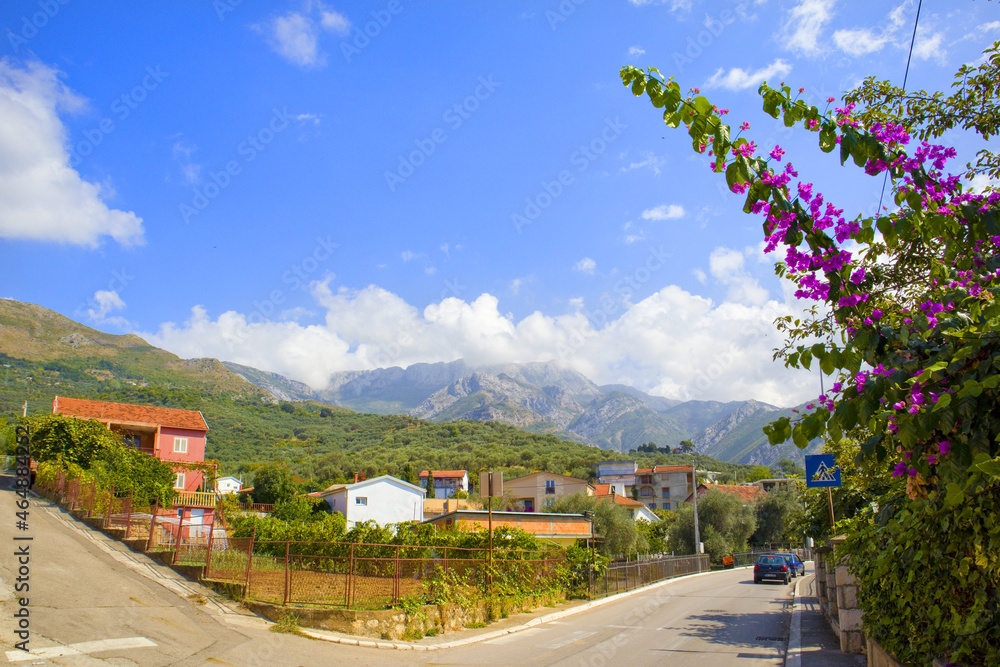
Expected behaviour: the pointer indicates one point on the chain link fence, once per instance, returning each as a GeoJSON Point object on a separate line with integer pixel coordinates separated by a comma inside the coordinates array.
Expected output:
{"type": "Point", "coordinates": [373, 576]}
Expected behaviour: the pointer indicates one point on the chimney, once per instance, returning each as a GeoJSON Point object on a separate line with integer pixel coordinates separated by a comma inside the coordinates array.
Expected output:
{"type": "Point", "coordinates": [356, 477]}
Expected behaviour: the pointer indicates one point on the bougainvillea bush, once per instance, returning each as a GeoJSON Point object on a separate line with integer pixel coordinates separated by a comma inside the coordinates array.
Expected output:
{"type": "Point", "coordinates": [905, 312]}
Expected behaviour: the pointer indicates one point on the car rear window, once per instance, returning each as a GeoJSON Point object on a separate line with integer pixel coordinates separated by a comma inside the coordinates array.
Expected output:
{"type": "Point", "coordinates": [770, 560]}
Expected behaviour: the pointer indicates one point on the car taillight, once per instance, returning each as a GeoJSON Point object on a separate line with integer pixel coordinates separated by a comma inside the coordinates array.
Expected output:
{"type": "Point", "coordinates": [784, 568]}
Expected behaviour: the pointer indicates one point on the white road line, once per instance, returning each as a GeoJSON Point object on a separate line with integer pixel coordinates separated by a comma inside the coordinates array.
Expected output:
{"type": "Point", "coordinates": [793, 654]}
{"type": "Point", "coordinates": [82, 648]}
{"type": "Point", "coordinates": [575, 637]}
{"type": "Point", "coordinates": [515, 636]}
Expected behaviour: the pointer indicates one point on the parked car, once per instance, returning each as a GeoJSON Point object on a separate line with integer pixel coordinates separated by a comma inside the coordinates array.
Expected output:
{"type": "Point", "coordinates": [798, 567]}
{"type": "Point", "coordinates": [771, 566]}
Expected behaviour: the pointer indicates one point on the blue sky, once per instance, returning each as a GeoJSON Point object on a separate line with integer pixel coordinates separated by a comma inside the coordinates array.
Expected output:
{"type": "Point", "coordinates": [268, 184]}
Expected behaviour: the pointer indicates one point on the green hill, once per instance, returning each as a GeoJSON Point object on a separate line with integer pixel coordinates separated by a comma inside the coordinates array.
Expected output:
{"type": "Point", "coordinates": [44, 354]}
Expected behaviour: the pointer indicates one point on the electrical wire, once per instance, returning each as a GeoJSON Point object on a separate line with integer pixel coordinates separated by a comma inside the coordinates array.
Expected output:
{"type": "Point", "coordinates": [906, 74]}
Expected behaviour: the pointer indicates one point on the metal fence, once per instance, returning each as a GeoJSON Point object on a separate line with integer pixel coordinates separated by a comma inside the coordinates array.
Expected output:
{"type": "Point", "coordinates": [747, 558]}
{"type": "Point", "coordinates": [329, 574]}
{"type": "Point", "coordinates": [353, 575]}
{"type": "Point", "coordinates": [620, 577]}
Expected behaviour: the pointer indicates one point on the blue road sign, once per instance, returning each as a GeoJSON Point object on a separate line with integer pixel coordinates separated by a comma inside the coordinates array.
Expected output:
{"type": "Point", "coordinates": [822, 470]}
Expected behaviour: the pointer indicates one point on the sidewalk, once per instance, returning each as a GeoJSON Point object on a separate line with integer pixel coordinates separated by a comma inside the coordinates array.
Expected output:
{"type": "Point", "coordinates": [811, 642]}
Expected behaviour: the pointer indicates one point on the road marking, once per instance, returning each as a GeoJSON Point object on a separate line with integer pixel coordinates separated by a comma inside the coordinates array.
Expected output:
{"type": "Point", "coordinates": [514, 636]}
{"type": "Point", "coordinates": [81, 648]}
{"type": "Point", "coordinates": [575, 637]}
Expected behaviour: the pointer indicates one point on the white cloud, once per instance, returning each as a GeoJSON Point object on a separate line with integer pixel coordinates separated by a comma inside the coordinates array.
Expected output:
{"type": "Point", "coordinates": [929, 45]}
{"type": "Point", "coordinates": [636, 51]}
{"type": "Point", "coordinates": [408, 255]}
{"type": "Point", "coordinates": [980, 182]}
{"type": "Point", "coordinates": [42, 197]}
{"type": "Point", "coordinates": [103, 304]}
{"type": "Point", "coordinates": [335, 22]}
{"type": "Point", "coordinates": [106, 301]}
{"type": "Point", "coordinates": [805, 23]}
{"type": "Point", "coordinates": [586, 265]}
{"type": "Point", "coordinates": [857, 42]}
{"type": "Point", "coordinates": [992, 25]}
{"type": "Point", "coordinates": [727, 266]}
{"type": "Point", "coordinates": [740, 79]}
{"type": "Point", "coordinates": [664, 212]}
{"type": "Point", "coordinates": [649, 160]}
{"type": "Point", "coordinates": [675, 5]}
{"type": "Point", "coordinates": [304, 118]}
{"type": "Point", "coordinates": [726, 346]}
{"type": "Point", "coordinates": [294, 37]}
{"type": "Point", "coordinates": [860, 41]}
{"type": "Point", "coordinates": [515, 285]}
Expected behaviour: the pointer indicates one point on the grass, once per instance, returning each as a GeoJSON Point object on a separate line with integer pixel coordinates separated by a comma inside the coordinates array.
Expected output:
{"type": "Point", "coordinates": [288, 624]}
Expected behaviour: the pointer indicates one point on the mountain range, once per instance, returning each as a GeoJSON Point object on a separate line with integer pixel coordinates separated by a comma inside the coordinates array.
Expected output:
{"type": "Point", "coordinates": [541, 398]}
{"type": "Point", "coordinates": [547, 398]}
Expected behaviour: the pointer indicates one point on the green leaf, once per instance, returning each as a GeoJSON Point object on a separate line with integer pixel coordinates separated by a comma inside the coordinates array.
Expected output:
{"type": "Point", "coordinates": [944, 400]}
{"type": "Point", "coordinates": [970, 388]}
{"type": "Point", "coordinates": [826, 364]}
{"type": "Point", "coordinates": [991, 467]}
{"type": "Point", "coordinates": [955, 495]}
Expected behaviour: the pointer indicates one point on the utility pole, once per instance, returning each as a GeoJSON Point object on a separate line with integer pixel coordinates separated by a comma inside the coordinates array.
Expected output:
{"type": "Point", "coordinates": [697, 534]}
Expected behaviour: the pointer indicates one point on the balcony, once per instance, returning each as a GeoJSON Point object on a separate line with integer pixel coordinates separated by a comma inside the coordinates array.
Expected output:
{"type": "Point", "coordinates": [194, 499]}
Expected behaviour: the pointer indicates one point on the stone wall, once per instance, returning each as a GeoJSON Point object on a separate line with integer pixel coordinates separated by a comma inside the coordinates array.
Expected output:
{"type": "Point", "coordinates": [838, 598]}
{"type": "Point", "coordinates": [398, 623]}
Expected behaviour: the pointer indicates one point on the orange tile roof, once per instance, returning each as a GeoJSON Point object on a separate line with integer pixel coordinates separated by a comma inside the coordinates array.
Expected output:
{"type": "Point", "coordinates": [619, 499]}
{"type": "Point", "coordinates": [124, 412]}
{"type": "Point", "coordinates": [440, 474]}
{"type": "Point", "coordinates": [644, 471]}
{"type": "Point", "coordinates": [602, 489]}
{"type": "Point", "coordinates": [672, 469]}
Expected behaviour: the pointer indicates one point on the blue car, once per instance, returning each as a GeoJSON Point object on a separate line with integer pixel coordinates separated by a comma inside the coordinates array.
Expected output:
{"type": "Point", "coordinates": [797, 567]}
{"type": "Point", "coordinates": [771, 566]}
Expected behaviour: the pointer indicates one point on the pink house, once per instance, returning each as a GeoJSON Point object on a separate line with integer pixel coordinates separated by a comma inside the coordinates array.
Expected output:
{"type": "Point", "coordinates": [171, 435]}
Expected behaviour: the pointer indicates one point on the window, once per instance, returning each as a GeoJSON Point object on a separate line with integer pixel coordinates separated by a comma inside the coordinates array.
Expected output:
{"type": "Point", "coordinates": [133, 441]}
{"type": "Point", "coordinates": [180, 445]}
{"type": "Point", "coordinates": [652, 506]}
{"type": "Point", "coordinates": [360, 500]}
{"type": "Point", "coordinates": [645, 479]}
{"type": "Point", "coordinates": [550, 487]}
{"type": "Point", "coordinates": [666, 506]}
{"type": "Point", "coordinates": [549, 502]}
{"type": "Point", "coordinates": [646, 492]}
{"type": "Point", "coordinates": [180, 480]}
{"type": "Point", "coordinates": [666, 492]}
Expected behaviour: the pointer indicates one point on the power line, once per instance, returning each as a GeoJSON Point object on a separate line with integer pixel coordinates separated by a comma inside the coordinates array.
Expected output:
{"type": "Point", "coordinates": [906, 74]}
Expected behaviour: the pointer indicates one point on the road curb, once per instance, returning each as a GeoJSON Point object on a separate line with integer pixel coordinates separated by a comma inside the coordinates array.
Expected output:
{"type": "Point", "coordinates": [793, 654]}
{"type": "Point", "coordinates": [554, 616]}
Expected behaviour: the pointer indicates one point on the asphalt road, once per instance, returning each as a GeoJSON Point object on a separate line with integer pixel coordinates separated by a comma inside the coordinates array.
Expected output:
{"type": "Point", "coordinates": [92, 601]}
{"type": "Point", "coordinates": [721, 618]}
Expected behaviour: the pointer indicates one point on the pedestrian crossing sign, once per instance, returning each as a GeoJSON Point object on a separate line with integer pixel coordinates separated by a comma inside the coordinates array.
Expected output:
{"type": "Point", "coordinates": [822, 470]}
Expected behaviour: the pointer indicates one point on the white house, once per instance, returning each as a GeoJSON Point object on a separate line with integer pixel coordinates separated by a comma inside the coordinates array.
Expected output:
{"type": "Point", "coordinates": [228, 484]}
{"type": "Point", "coordinates": [384, 500]}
